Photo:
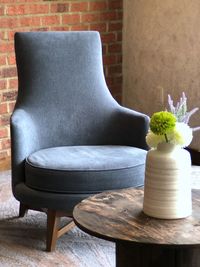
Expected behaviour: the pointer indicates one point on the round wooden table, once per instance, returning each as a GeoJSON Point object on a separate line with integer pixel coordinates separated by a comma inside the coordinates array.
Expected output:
{"type": "Point", "coordinates": [141, 241]}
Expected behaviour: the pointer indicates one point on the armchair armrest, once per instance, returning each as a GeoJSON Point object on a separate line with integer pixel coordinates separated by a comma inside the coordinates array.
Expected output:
{"type": "Point", "coordinates": [24, 140]}
{"type": "Point", "coordinates": [133, 127]}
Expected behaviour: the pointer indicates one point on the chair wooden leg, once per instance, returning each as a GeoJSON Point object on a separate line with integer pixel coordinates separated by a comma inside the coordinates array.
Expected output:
{"type": "Point", "coordinates": [53, 230]}
{"type": "Point", "coordinates": [23, 209]}
{"type": "Point", "coordinates": [53, 224]}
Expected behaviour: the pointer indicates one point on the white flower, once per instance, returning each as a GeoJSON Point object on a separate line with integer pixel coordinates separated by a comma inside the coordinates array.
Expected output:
{"type": "Point", "coordinates": [182, 135]}
{"type": "Point", "coordinates": [153, 140]}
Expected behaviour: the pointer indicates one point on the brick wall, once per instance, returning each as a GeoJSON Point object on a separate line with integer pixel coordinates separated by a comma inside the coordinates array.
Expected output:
{"type": "Point", "coordinates": [104, 16]}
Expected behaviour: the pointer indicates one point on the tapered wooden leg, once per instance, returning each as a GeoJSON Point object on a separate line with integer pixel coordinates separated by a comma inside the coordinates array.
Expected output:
{"type": "Point", "coordinates": [23, 209]}
{"type": "Point", "coordinates": [53, 224]}
{"type": "Point", "coordinates": [53, 230]}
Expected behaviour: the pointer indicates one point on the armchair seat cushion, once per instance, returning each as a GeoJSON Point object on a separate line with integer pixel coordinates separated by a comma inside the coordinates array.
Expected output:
{"type": "Point", "coordinates": [85, 169]}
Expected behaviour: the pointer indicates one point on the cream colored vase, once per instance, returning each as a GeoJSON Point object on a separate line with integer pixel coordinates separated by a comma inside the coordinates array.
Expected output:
{"type": "Point", "coordinates": [167, 190]}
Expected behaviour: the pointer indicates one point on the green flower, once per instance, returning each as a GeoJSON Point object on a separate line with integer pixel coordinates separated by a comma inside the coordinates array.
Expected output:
{"type": "Point", "coordinates": [162, 122]}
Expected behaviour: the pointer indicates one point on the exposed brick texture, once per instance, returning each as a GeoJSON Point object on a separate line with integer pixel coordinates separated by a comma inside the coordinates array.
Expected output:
{"type": "Point", "coordinates": [104, 16]}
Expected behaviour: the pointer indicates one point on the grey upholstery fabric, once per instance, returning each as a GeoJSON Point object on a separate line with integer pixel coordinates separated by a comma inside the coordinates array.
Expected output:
{"type": "Point", "coordinates": [85, 169]}
{"type": "Point", "coordinates": [63, 100]}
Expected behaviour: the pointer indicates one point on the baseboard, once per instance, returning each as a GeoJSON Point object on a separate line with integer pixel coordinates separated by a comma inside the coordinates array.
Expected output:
{"type": "Point", "coordinates": [5, 164]}
{"type": "Point", "coordinates": [195, 156]}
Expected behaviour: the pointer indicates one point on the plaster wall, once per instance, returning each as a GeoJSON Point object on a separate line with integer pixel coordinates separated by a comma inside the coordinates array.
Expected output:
{"type": "Point", "coordinates": [161, 55]}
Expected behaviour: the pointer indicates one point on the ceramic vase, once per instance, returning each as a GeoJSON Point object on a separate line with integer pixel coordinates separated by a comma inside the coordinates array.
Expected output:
{"type": "Point", "coordinates": [167, 189]}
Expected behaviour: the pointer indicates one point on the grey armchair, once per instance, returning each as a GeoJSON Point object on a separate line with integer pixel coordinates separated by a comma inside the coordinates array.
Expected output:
{"type": "Point", "coordinates": [69, 137]}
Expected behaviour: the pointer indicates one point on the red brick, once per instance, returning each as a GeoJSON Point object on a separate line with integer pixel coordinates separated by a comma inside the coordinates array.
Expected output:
{"type": "Point", "coordinates": [11, 59]}
{"type": "Point", "coordinates": [119, 58]}
{"type": "Point", "coordinates": [5, 119]}
{"type": "Point", "coordinates": [60, 7]}
{"type": "Point", "coordinates": [119, 15]}
{"type": "Point", "coordinates": [108, 37]}
{"type": "Point", "coordinates": [78, 7]}
{"type": "Point", "coordinates": [2, 84]}
{"type": "Point", "coordinates": [119, 36]}
{"type": "Point", "coordinates": [42, 29]}
{"type": "Point", "coordinates": [1, 10]}
{"type": "Point", "coordinates": [94, 6]}
{"type": "Point", "coordinates": [79, 27]}
{"type": "Point", "coordinates": [13, 83]}
{"type": "Point", "coordinates": [118, 80]}
{"type": "Point", "coordinates": [2, 60]}
{"type": "Point", "coordinates": [109, 59]}
{"type": "Point", "coordinates": [5, 143]}
{"type": "Point", "coordinates": [37, 9]}
{"type": "Point", "coordinates": [59, 28]}
{"type": "Point", "coordinates": [101, 27]}
{"type": "Point", "coordinates": [71, 18]}
{"type": "Point", "coordinates": [6, 47]}
{"type": "Point", "coordinates": [8, 22]}
{"type": "Point", "coordinates": [15, 10]}
{"type": "Point", "coordinates": [1, 36]}
{"type": "Point", "coordinates": [3, 155]}
{"type": "Point", "coordinates": [115, 26]}
{"type": "Point", "coordinates": [114, 48]}
{"type": "Point", "coordinates": [90, 17]}
{"type": "Point", "coordinates": [9, 96]}
{"type": "Point", "coordinates": [29, 21]}
{"type": "Point", "coordinates": [114, 83]}
{"type": "Point", "coordinates": [11, 106]}
{"type": "Point", "coordinates": [3, 108]}
{"type": "Point", "coordinates": [115, 4]}
{"type": "Point", "coordinates": [50, 20]}
{"type": "Point", "coordinates": [108, 16]}
{"type": "Point", "coordinates": [29, 1]}
{"type": "Point", "coordinates": [112, 70]}
{"type": "Point", "coordinates": [7, 1]}
{"type": "Point", "coordinates": [3, 132]}
{"type": "Point", "coordinates": [11, 35]}
{"type": "Point", "coordinates": [9, 72]}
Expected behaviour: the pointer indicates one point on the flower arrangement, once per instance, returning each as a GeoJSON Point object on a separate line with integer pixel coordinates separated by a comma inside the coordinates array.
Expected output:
{"type": "Point", "coordinates": [171, 126]}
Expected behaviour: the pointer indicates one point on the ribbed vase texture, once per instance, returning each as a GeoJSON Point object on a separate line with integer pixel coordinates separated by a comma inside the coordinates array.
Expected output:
{"type": "Point", "coordinates": [167, 190]}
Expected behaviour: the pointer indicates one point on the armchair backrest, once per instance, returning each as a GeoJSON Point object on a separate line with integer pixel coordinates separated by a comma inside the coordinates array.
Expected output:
{"type": "Point", "coordinates": [62, 85]}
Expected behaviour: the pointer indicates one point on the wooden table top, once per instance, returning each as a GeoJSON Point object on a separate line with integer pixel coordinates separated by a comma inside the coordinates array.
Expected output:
{"type": "Point", "coordinates": [117, 215]}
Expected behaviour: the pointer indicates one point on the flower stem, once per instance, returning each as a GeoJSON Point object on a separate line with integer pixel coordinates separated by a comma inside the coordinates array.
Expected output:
{"type": "Point", "coordinates": [167, 141]}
